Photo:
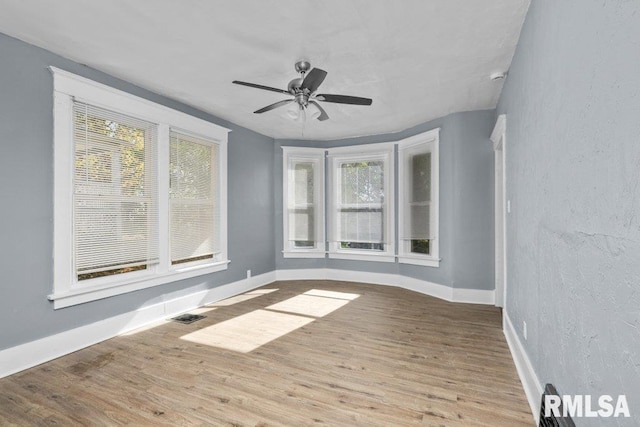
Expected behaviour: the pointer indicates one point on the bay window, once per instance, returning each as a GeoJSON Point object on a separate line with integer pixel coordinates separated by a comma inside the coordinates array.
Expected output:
{"type": "Point", "coordinates": [360, 211]}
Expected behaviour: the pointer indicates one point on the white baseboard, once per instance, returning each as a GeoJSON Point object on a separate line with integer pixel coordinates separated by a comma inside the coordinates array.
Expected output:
{"type": "Point", "coordinates": [24, 356]}
{"type": "Point", "coordinates": [472, 296]}
{"type": "Point", "coordinates": [530, 382]}
{"type": "Point", "coordinates": [303, 274]}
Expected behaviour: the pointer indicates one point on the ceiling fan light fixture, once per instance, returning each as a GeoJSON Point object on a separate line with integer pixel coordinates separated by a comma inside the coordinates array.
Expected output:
{"type": "Point", "coordinates": [313, 112]}
{"type": "Point", "coordinates": [293, 111]}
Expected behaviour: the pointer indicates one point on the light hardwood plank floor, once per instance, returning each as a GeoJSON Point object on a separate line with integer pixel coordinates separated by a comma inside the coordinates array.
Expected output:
{"type": "Point", "coordinates": [310, 352]}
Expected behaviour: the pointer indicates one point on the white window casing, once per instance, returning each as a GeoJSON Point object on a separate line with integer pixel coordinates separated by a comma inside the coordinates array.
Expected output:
{"type": "Point", "coordinates": [112, 196]}
{"type": "Point", "coordinates": [361, 202]}
{"type": "Point", "coordinates": [418, 199]}
{"type": "Point", "coordinates": [303, 202]}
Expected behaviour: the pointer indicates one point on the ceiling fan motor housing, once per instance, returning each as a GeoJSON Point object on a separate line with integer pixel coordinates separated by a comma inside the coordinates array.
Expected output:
{"type": "Point", "coordinates": [294, 86]}
{"type": "Point", "coordinates": [302, 98]}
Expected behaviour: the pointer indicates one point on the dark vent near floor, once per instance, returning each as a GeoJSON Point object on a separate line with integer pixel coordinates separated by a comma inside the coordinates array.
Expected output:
{"type": "Point", "coordinates": [188, 318]}
{"type": "Point", "coordinates": [553, 421]}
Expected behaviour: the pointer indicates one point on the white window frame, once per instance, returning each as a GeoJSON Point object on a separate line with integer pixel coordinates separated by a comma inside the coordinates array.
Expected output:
{"type": "Point", "coordinates": [426, 142]}
{"type": "Point", "coordinates": [378, 151]}
{"type": "Point", "coordinates": [67, 291]}
{"type": "Point", "coordinates": [316, 156]}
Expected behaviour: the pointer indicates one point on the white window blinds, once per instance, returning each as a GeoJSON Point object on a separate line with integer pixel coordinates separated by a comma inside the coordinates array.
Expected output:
{"type": "Point", "coordinates": [194, 199]}
{"type": "Point", "coordinates": [419, 197]}
{"type": "Point", "coordinates": [302, 204]}
{"type": "Point", "coordinates": [417, 223]}
{"type": "Point", "coordinates": [115, 209]}
{"type": "Point", "coordinates": [360, 204]}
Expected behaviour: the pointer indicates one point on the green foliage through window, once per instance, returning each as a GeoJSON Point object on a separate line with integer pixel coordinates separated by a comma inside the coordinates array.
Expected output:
{"type": "Point", "coordinates": [420, 246]}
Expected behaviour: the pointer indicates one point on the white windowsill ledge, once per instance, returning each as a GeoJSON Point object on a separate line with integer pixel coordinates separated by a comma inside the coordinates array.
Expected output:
{"type": "Point", "coordinates": [82, 295]}
{"type": "Point", "coordinates": [423, 261]}
{"type": "Point", "coordinates": [304, 254]}
{"type": "Point", "coordinates": [357, 256]}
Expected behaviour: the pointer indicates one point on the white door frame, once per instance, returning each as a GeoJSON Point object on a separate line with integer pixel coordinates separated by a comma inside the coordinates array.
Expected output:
{"type": "Point", "coordinates": [498, 137]}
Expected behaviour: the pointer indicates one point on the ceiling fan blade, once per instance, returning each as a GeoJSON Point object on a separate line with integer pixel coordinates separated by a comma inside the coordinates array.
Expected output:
{"type": "Point", "coordinates": [313, 80]}
{"type": "Point", "coordinates": [323, 114]}
{"type": "Point", "coordinates": [272, 89]}
{"type": "Point", "coordinates": [274, 105]}
{"type": "Point", "coordinates": [344, 99]}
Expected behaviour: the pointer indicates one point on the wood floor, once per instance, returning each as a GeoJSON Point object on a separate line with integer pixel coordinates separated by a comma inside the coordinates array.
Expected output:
{"type": "Point", "coordinates": [308, 353]}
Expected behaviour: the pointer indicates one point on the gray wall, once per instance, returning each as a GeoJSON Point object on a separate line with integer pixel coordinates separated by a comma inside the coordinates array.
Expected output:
{"type": "Point", "coordinates": [466, 204]}
{"type": "Point", "coordinates": [26, 195]}
{"type": "Point", "coordinates": [572, 100]}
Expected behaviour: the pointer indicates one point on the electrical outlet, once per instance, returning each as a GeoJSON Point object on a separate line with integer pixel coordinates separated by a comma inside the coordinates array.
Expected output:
{"type": "Point", "coordinates": [248, 274]}
{"type": "Point", "coordinates": [524, 329]}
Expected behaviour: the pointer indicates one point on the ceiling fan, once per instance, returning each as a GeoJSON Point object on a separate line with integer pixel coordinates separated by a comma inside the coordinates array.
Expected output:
{"type": "Point", "coordinates": [304, 94]}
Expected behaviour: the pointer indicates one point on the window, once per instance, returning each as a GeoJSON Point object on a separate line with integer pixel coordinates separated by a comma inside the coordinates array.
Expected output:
{"type": "Point", "coordinates": [361, 211]}
{"type": "Point", "coordinates": [194, 209]}
{"type": "Point", "coordinates": [139, 193]}
{"type": "Point", "coordinates": [418, 199]}
{"type": "Point", "coordinates": [115, 203]}
{"type": "Point", "coordinates": [303, 207]}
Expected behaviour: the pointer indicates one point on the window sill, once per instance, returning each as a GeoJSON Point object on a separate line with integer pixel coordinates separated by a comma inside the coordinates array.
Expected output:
{"type": "Point", "coordinates": [303, 254]}
{"type": "Point", "coordinates": [359, 256]}
{"type": "Point", "coordinates": [424, 261]}
{"type": "Point", "coordinates": [87, 294]}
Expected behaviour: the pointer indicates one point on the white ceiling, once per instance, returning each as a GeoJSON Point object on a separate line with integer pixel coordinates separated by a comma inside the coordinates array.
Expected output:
{"type": "Point", "coordinates": [417, 59]}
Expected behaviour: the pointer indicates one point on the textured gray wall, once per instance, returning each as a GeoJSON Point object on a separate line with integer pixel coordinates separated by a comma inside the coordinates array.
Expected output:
{"type": "Point", "coordinates": [466, 204]}
{"type": "Point", "coordinates": [26, 195]}
{"type": "Point", "coordinates": [572, 101]}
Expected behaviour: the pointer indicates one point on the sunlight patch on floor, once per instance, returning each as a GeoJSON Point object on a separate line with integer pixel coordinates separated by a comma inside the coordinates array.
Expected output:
{"type": "Point", "coordinates": [261, 291]}
{"type": "Point", "coordinates": [249, 331]}
{"type": "Point", "coordinates": [309, 305]}
{"type": "Point", "coordinates": [332, 294]}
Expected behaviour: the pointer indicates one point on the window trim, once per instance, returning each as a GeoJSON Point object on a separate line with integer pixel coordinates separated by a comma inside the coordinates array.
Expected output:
{"type": "Point", "coordinates": [317, 155]}
{"type": "Point", "coordinates": [432, 140]}
{"type": "Point", "coordinates": [375, 151]}
{"type": "Point", "coordinates": [69, 87]}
